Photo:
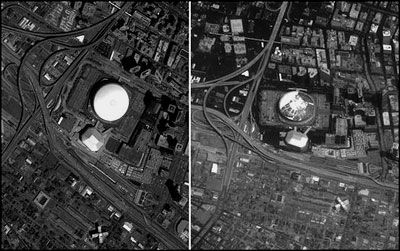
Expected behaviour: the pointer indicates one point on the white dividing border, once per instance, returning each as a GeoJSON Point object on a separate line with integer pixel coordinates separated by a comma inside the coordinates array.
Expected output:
{"type": "Point", "coordinates": [190, 125]}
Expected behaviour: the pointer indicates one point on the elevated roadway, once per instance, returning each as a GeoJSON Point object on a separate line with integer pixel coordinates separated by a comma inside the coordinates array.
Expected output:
{"type": "Point", "coordinates": [232, 146]}
{"type": "Point", "coordinates": [306, 165]}
{"type": "Point", "coordinates": [95, 178]}
{"type": "Point", "coordinates": [282, 160]}
{"type": "Point", "coordinates": [63, 35]}
{"type": "Point", "coordinates": [24, 125]}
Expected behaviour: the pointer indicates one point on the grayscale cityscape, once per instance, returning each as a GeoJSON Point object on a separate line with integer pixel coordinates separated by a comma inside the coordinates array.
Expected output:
{"type": "Point", "coordinates": [193, 125]}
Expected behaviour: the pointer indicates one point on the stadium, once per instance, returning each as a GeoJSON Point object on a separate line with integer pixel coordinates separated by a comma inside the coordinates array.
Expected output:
{"type": "Point", "coordinates": [296, 108]}
{"type": "Point", "coordinates": [110, 102]}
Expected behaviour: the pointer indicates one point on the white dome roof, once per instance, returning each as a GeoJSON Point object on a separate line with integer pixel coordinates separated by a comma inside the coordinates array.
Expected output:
{"type": "Point", "coordinates": [111, 102]}
{"type": "Point", "coordinates": [296, 106]}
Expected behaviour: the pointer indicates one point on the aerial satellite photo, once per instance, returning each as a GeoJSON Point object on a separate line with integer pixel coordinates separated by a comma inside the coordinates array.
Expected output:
{"type": "Point", "coordinates": [294, 125]}
{"type": "Point", "coordinates": [94, 125]}
{"type": "Point", "coordinates": [194, 125]}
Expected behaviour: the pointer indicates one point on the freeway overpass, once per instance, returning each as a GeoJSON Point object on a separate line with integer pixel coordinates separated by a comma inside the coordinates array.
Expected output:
{"type": "Point", "coordinates": [23, 126]}
{"type": "Point", "coordinates": [296, 164]}
{"type": "Point", "coordinates": [232, 147]}
{"type": "Point", "coordinates": [63, 35]}
{"type": "Point", "coordinates": [95, 178]}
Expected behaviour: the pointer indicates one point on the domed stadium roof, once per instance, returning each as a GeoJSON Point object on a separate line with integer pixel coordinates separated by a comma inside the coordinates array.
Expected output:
{"type": "Point", "coordinates": [111, 102]}
{"type": "Point", "coordinates": [297, 106]}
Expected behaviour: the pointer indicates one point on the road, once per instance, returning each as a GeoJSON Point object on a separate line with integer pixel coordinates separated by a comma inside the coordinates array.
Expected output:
{"type": "Point", "coordinates": [32, 118]}
{"type": "Point", "coordinates": [107, 189]}
{"type": "Point", "coordinates": [287, 161]}
{"type": "Point", "coordinates": [244, 115]}
{"type": "Point", "coordinates": [282, 160]}
{"type": "Point", "coordinates": [23, 126]}
{"type": "Point", "coordinates": [372, 85]}
{"type": "Point", "coordinates": [95, 178]}
{"type": "Point", "coordinates": [63, 35]}
{"type": "Point", "coordinates": [233, 147]}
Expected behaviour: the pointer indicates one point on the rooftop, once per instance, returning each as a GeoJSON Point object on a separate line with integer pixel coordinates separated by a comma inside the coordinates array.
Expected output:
{"type": "Point", "coordinates": [297, 139]}
{"type": "Point", "coordinates": [111, 102]}
{"type": "Point", "coordinates": [92, 139]}
{"type": "Point", "coordinates": [297, 106]}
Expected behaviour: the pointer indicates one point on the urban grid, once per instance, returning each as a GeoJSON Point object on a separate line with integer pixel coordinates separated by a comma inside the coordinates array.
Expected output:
{"type": "Point", "coordinates": [194, 125]}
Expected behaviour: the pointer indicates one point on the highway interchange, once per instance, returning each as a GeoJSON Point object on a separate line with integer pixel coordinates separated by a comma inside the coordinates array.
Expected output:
{"type": "Point", "coordinates": [90, 174]}
{"type": "Point", "coordinates": [280, 159]}
{"type": "Point", "coordinates": [233, 138]}
{"type": "Point", "coordinates": [232, 148]}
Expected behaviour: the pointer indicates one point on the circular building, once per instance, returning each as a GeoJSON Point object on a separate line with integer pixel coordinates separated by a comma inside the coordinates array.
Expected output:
{"type": "Point", "coordinates": [296, 107]}
{"type": "Point", "coordinates": [111, 102]}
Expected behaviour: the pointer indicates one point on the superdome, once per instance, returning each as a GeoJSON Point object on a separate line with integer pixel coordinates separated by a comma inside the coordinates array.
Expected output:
{"type": "Point", "coordinates": [297, 106]}
{"type": "Point", "coordinates": [111, 102]}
